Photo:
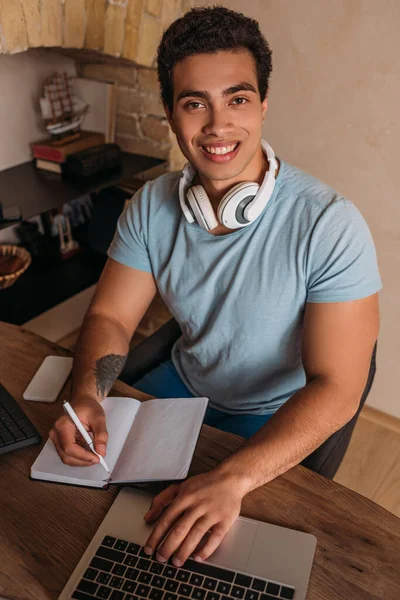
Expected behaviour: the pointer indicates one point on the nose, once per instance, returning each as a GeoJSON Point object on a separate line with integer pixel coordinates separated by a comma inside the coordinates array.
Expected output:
{"type": "Point", "coordinates": [219, 123]}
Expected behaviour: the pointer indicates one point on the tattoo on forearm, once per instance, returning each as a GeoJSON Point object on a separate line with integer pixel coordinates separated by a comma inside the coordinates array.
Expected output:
{"type": "Point", "coordinates": [107, 370]}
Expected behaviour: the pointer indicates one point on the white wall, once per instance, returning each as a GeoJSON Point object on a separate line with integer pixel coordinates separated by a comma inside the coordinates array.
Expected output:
{"type": "Point", "coordinates": [21, 79]}
{"type": "Point", "coordinates": [334, 112]}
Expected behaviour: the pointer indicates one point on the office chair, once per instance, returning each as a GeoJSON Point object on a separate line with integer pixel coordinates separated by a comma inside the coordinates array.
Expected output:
{"type": "Point", "coordinates": [156, 349]}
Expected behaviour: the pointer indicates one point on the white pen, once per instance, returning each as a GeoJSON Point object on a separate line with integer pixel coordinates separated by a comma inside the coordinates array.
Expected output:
{"type": "Point", "coordinates": [71, 413]}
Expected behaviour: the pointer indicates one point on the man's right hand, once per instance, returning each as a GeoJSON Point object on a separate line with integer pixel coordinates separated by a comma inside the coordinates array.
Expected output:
{"type": "Point", "coordinates": [69, 443]}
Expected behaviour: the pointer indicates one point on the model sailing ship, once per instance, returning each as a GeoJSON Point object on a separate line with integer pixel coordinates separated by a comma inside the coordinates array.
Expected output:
{"type": "Point", "coordinates": [62, 110]}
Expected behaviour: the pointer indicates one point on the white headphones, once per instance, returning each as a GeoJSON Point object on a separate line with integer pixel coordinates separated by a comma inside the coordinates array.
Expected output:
{"type": "Point", "coordinates": [239, 207]}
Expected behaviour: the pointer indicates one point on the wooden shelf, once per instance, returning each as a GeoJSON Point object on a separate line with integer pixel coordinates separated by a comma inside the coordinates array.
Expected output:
{"type": "Point", "coordinates": [35, 191]}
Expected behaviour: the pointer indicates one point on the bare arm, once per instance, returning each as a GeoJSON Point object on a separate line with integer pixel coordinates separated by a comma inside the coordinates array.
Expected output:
{"type": "Point", "coordinates": [338, 340]}
{"type": "Point", "coordinates": [122, 297]}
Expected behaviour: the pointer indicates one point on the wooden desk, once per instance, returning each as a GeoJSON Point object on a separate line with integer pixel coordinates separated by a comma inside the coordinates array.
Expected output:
{"type": "Point", "coordinates": [45, 527]}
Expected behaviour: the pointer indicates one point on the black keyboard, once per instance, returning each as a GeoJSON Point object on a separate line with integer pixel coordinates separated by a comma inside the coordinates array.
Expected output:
{"type": "Point", "coordinates": [16, 430]}
{"type": "Point", "coordinates": [120, 570]}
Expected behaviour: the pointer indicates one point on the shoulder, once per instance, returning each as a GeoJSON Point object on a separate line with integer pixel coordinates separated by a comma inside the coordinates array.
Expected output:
{"type": "Point", "coordinates": [308, 190]}
{"type": "Point", "coordinates": [312, 200]}
{"type": "Point", "coordinates": [161, 187]}
{"type": "Point", "coordinates": [155, 196]}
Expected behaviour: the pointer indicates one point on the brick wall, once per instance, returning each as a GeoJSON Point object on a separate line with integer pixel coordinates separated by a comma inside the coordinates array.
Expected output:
{"type": "Point", "coordinates": [124, 29]}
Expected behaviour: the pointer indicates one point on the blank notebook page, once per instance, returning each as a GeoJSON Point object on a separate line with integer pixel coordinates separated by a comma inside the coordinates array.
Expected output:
{"type": "Point", "coordinates": [162, 439]}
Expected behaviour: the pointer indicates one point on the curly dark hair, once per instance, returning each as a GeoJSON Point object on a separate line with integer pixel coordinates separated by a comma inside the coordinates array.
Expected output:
{"type": "Point", "coordinates": [207, 30]}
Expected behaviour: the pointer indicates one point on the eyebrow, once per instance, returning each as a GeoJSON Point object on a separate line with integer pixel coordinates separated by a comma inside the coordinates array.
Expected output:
{"type": "Point", "coordinates": [239, 87]}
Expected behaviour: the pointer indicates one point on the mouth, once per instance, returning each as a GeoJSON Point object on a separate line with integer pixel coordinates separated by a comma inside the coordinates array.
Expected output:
{"type": "Point", "coordinates": [221, 154]}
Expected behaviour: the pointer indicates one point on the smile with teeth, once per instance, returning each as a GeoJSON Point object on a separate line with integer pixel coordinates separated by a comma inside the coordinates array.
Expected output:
{"type": "Point", "coordinates": [220, 149]}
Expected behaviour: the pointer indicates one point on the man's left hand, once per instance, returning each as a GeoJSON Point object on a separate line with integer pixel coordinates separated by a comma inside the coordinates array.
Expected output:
{"type": "Point", "coordinates": [209, 502]}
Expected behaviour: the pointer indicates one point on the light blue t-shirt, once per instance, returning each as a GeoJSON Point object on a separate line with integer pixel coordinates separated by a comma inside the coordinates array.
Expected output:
{"type": "Point", "coordinates": [240, 298]}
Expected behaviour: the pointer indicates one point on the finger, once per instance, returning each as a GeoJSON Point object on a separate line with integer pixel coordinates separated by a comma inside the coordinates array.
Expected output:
{"type": "Point", "coordinates": [68, 460]}
{"type": "Point", "coordinates": [161, 501]}
{"type": "Point", "coordinates": [192, 540]}
{"type": "Point", "coordinates": [165, 523]}
{"type": "Point", "coordinates": [217, 534]}
{"type": "Point", "coordinates": [175, 536]}
{"type": "Point", "coordinates": [100, 434]}
{"type": "Point", "coordinates": [66, 437]}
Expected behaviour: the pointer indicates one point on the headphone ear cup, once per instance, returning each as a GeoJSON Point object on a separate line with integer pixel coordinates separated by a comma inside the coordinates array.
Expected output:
{"type": "Point", "coordinates": [231, 209]}
{"type": "Point", "coordinates": [202, 207]}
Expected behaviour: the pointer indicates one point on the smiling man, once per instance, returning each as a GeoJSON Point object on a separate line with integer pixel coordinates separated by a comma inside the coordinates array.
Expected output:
{"type": "Point", "coordinates": [271, 274]}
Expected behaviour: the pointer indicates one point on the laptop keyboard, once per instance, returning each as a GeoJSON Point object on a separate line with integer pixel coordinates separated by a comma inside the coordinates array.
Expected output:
{"type": "Point", "coordinates": [16, 430]}
{"type": "Point", "coordinates": [120, 570]}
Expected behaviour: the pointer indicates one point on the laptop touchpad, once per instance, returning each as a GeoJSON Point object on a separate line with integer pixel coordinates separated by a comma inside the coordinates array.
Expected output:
{"type": "Point", "coordinates": [235, 548]}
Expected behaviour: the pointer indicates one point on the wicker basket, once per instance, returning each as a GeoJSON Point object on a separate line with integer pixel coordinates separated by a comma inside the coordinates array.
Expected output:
{"type": "Point", "coordinates": [23, 254]}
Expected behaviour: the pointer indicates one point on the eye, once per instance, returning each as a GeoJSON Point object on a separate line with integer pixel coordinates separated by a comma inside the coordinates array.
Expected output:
{"type": "Point", "coordinates": [189, 104]}
{"type": "Point", "coordinates": [240, 98]}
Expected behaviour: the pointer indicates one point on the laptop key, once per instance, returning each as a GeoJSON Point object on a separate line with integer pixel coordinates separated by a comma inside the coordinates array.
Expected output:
{"type": "Point", "coordinates": [130, 560]}
{"type": "Point", "coordinates": [252, 595]}
{"type": "Point", "coordinates": [198, 594]}
{"type": "Point", "coordinates": [28, 431]}
{"type": "Point", "coordinates": [171, 585]}
{"type": "Point", "coordinates": [100, 563]}
{"type": "Point", "coordinates": [111, 554]}
{"type": "Point", "coordinates": [213, 596]}
{"type": "Point", "coordinates": [156, 594]}
{"type": "Point", "coordinates": [158, 581]}
{"type": "Point", "coordinates": [210, 584]}
{"type": "Point", "coordinates": [197, 579]}
{"type": "Point", "coordinates": [90, 574]}
{"type": "Point", "coordinates": [182, 575]}
{"type": "Point", "coordinates": [268, 597]}
{"type": "Point", "coordinates": [133, 549]}
{"type": "Point", "coordinates": [109, 541]}
{"type": "Point", "coordinates": [169, 571]}
{"type": "Point", "coordinates": [243, 580]}
{"type": "Point", "coordinates": [258, 584]}
{"type": "Point", "coordinates": [129, 586]}
{"type": "Point", "coordinates": [142, 590]}
{"type": "Point", "coordinates": [185, 589]}
{"type": "Point", "coordinates": [237, 592]}
{"type": "Point", "coordinates": [143, 564]}
{"type": "Point", "coordinates": [210, 570]}
{"type": "Point", "coordinates": [145, 577]}
{"type": "Point", "coordinates": [120, 545]}
{"type": "Point", "coordinates": [103, 577]}
{"type": "Point", "coordinates": [103, 592]}
{"type": "Point", "coordinates": [117, 595]}
{"type": "Point", "coordinates": [87, 586]}
{"type": "Point", "coordinates": [272, 588]}
{"type": "Point", "coordinates": [119, 569]}
{"type": "Point", "coordinates": [287, 593]}
{"type": "Point", "coordinates": [116, 582]}
{"type": "Point", "coordinates": [156, 568]}
{"type": "Point", "coordinates": [225, 588]}
{"type": "Point", "coordinates": [132, 574]}
{"type": "Point", "coordinates": [169, 596]}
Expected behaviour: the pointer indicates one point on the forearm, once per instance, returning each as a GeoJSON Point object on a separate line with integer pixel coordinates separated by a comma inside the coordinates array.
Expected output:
{"type": "Point", "coordinates": [300, 426]}
{"type": "Point", "coordinates": [101, 353]}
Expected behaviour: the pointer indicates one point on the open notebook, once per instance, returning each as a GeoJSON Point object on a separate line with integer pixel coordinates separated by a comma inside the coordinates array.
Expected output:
{"type": "Point", "coordinates": [149, 441]}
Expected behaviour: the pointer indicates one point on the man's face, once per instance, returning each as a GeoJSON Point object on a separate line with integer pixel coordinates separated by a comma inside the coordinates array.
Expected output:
{"type": "Point", "coordinates": [209, 114]}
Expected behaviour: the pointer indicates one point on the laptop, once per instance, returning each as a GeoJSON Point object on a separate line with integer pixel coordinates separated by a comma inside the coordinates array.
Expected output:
{"type": "Point", "coordinates": [255, 561]}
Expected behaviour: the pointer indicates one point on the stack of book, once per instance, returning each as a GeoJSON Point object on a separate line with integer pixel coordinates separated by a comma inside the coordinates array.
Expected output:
{"type": "Point", "coordinates": [50, 155]}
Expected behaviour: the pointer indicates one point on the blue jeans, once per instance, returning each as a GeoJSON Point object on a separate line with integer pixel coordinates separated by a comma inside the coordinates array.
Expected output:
{"type": "Point", "coordinates": [164, 382]}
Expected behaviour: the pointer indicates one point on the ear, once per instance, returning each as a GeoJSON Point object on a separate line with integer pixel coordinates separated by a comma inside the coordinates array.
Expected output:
{"type": "Point", "coordinates": [264, 106]}
{"type": "Point", "coordinates": [169, 117]}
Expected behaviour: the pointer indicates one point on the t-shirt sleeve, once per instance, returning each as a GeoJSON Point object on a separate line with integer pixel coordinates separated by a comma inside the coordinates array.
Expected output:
{"type": "Point", "coordinates": [342, 263]}
{"type": "Point", "coordinates": [129, 245]}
